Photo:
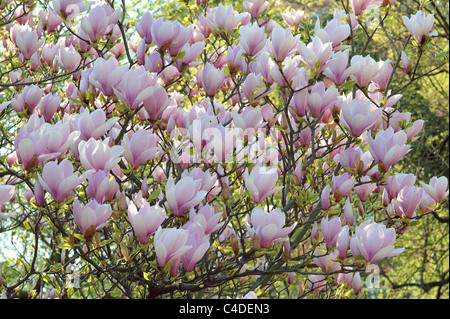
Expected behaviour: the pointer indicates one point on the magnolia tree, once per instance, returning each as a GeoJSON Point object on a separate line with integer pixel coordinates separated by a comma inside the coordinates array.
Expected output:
{"type": "Point", "coordinates": [234, 157]}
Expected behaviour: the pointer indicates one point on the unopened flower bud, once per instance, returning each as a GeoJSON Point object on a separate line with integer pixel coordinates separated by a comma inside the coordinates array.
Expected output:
{"type": "Point", "coordinates": [225, 191]}
{"type": "Point", "coordinates": [256, 242]}
{"type": "Point", "coordinates": [234, 244]}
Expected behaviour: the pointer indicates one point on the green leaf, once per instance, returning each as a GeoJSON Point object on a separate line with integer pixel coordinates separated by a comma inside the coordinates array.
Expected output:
{"type": "Point", "coordinates": [154, 195]}
{"type": "Point", "coordinates": [64, 246]}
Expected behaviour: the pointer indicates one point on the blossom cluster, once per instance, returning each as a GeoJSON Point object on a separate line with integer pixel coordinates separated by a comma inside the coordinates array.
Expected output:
{"type": "Point", "coordinates": [214, 144]}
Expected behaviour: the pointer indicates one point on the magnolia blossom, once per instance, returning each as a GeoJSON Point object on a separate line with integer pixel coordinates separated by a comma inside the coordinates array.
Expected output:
{"type": "Point", "coordinates": [102, 187]}
{"type": "Point", "coordinates": [184, 194]}
{"type": "Point", "coordinates": [140, 148]}
{"type": "Point", "coordinates": [135, 86]}
{"type": "Point", "coordinates": [293, 18]}
{"type": "Point", "coordinates": [97, 155]}
{"type": "Point", "coordinates": [367, 69]}
{"type": "Point", "coordinates": [437, 188]}
{"type": "Point", "coordinates": [330, 230]}
{"type": "Point", "coordinates": [315, 53]}
{"type": "Point", "coordinates": [146, 220]}
{"type": "Point", "coordinates": [282, 43]}
{"type": "Point", "coordinates": [359, 116]}
{"type": "Point", "coordinates": [106, 74]}
{"type": "Point", "coordinates": [207, 218]}
{"type": "Point", "coordinates": [6, 193]}
{"type": "Point", "coordinates": [420, 25]}
{"type": "Point", "coordinates": [100, 21]}
{"type": "Point", "coordinates": [260, 182]}
{"type": "Point", "coordinates": [210, 79]}
{"type": "Point", "coordinates": [373, 242]}
{"type": "Point", "coordinates": [407, 201]}
{"type": "Point", "coordinates": [225, 18]}
{"type": "Point", "coordinates": [199, 243]}
{"type": "Point", "coordinates": [388, 147]}
{"type": "Point", "coordinates": [253, 38]}
{"type": "Point", "coordinates": [337, 71]}
{"type": "Point", "coordinates": [269, 227]}
{"type": "Point", "coordinates": [92, 217]}
{"type": "Point", "coordinates": [170, 244]}
{"type": "Point", "coordinates": [28, 43]}
{"type": "Point", "coordinates": [60, 180]}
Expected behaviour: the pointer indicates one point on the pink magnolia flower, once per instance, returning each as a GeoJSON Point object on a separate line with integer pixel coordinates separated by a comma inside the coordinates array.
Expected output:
{"type": "Point", "coordinates": [348, 212]}
{"type": "Point", "coordinates": [224, 19]}
{"type": "Point", "coordinates": [210, 79]}
{"type": "Point", "coordinates": [207, 218]}
{"type": "Point", "coordinates": [156, 102]}
{"type": "Point", "coordinates": [407, 201]}
{"type": "Point", "coordinates": [358, 6]}
{"type": "Point", "coordinates": [298, 104]}
{"type": "Point", "coordinates": [136, 86]}
{"type": "Point", "coordinates": [325, 198]}
{"type": "Point", "coordinates": [397, 118]}
{"type": "Point", "coordinates": [269, 227]}
{"type": "Point", "coordinates": [70, 8]}
{"type": "Point", "coordinates": [49, 105]}
{"type": "Point", "coordinates": [60, 137]}
{"type": "Point", "coordinates": [293, 18]}
{"type": "Point", "coordinates": [68, 58]}
{"type": "Point", "coordinates": [359, 116]}
{"type": "Point", "coordinates": [31, 143]}
{"type": "Point", "coordinates": [199, 243]}
{"type": "Point", "coordinates": [419, 25]}
{"type": "Point", "coordinates": [326, 262]}
{"type": "Point", "coordinates": [364, 190]}
{"type": "Point", "coordinates": [140, 148]}
{"type": "Point", "coordinates": [342, 185]}
{"type": "Point", "coordinates": [373, 242]}
{"type": "Point", "coordinates": [208, 181]}
{"type": "Point", "coordinates": [28, 43]}
{"type": "Point", "coordinates": [321, 99]}
{"type": "Point", "coordinates": [388, 147]}
{"type": "Point", "coordinates": [255, 7]}
{"type": "Point", "coordinates": [184, 194]}
{"type": "Point", "coordinates": [146, 220]}
{"type": "Point", "coordinates": [93, 124]}
{"type": "Point", "coordinates": [97, 155]}
{"type": "Point", "coordinates": [282, 43]}
{"type": "Point", "coordinates": [254, 90]}
{"type": "Point", "coordinates": [253, 38]}
{"type": "Point", "coordinates": [396, 182]}
{"type": "Point", "coordinates": [100, 21]}
{"type": "Point", "coordinates": [437, 188]}
{"type": "Point", "coordinates": [170, 244]}
{"type": "Point", "coordinates": [337, 71]}
{"type": "Point", "coordinates": [316, 52]}
{"type": "Point", "coordinates": [102, 187]}
{"type": "Point", "coordinates": [92, 217]}
{"type": "Point", "coordinates": [29, 99]}
{"type": "Point", "coordinates": [334, 31]}
{"type": "Point", "coordinates": [261, 182]}
{"type": "Point", "coordinates": [356, 283]}
{"type": "Point", "coordinates": [352, 157]}
{"type": "Point", "coordinates": [235, 60]}
{"type": "Point", "coordinates": [6, 193]}
{"type": "Point", "coordinates": [249, 121]}
{"type": "Point", "coordinates": [106, 74]}
{"type": "Point", "coordinates": [60, 180]}
{"type": "Point", "coordinates": [169, 35]}
{"type": "Point", "coordinates": [144, 27]}
{"type": "Point", "coordinates": [367, 69]}
{"type": "Point", "coordinates": [382, 78]}
{"type": "Point", "coordinates": [330, 230]}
